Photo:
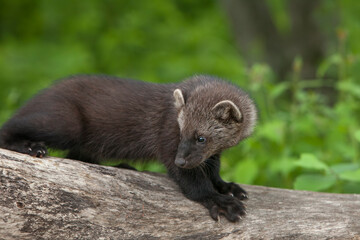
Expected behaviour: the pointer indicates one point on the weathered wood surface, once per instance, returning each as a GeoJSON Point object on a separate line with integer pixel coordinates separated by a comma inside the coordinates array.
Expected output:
{"type": "Point", "coordinates": [54, 198]}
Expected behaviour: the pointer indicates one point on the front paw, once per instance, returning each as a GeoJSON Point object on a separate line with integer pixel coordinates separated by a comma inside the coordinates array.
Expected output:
{"type": "Point", "coordinates": [34, 149]}
{"type": "Point", "coordinates": [232, 208]}
{"type": "Point", "coordinates": [37, 150]}
{"type": "Point", "coordinates": [237, 191]}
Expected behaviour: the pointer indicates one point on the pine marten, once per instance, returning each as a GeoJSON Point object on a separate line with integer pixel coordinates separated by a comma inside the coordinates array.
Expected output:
{"type": "Point", "coordinates": [184, 125]}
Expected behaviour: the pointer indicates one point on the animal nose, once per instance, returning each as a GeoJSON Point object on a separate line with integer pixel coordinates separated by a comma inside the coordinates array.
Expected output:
{"type": "Point", "coordinates": [180, 162]}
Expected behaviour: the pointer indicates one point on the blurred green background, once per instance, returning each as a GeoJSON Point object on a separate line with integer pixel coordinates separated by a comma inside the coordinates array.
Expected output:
{"type": "Point", "coordinates": [298, 59]}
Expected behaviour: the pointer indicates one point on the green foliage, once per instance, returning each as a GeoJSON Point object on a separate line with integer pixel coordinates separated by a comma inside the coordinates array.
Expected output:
{"type": "Point", "coordinates": [351, 175]}
{"type": "Point", "coordinates": [159, 41]}
{"type": "Point", "coordinates": [246, 171]}
{"type": "Point", "coordinates": [314, 182]}
{"type": "Point", "coordinates": [309, 161]}
{"type": "Point", "coordinates": [305, 139]}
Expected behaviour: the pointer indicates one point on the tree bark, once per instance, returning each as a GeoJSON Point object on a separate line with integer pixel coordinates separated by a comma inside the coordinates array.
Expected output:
{"type": "Point", "coordinates": [254, 28]}
{"type": "Point", "coordinates": [52, 198]}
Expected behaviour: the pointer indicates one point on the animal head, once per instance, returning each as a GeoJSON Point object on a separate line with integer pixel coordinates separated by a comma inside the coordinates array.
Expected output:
{"type": "Point", "coordinates": [212, 118]}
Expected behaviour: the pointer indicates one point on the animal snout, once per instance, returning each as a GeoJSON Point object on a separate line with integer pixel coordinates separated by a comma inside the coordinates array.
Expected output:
{"type": "Point", "coordinates": [180, 162]}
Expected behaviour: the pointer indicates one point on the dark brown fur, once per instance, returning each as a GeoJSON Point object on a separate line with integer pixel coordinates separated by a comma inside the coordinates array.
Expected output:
{"type": "Point", "coordinates": [101, 117]}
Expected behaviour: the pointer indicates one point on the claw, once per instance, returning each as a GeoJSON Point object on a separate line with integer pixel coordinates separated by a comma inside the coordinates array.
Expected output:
{"type": "Point", "coordinates": [36, 150]}
{"type": "Point", "coordinates": [244, 196]}
{"type": "Point", "coordinates": [214, 213]}
{"type": "Point", "coordinates": [40, 153]}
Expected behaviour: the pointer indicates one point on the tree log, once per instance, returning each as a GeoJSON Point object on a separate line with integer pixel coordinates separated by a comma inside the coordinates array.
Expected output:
{"type": "Point", "coordinates": [53, 198]}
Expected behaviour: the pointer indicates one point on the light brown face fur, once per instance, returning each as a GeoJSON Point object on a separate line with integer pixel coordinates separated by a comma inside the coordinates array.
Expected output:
{"type": "Point", "coordinates": [218, 113]}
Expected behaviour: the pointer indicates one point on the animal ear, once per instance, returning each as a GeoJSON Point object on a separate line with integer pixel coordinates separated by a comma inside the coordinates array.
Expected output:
{"type": "Point", "coordinates": [179, 99]}
{"type": "Point", "coordinates": [227, 110]}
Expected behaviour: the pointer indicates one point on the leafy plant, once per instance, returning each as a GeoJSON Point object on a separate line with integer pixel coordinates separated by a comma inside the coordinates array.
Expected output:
{"type": "Point", "coordinates": [305, 139]}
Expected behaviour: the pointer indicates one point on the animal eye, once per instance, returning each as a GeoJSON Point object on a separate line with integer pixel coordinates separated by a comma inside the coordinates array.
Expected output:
{"type": "Point", "coordinates": [200, 139]}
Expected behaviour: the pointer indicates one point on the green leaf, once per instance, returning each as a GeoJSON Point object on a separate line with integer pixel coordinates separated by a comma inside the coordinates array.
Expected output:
{"type": "Point", "coordinates": [279, 89]}
{"type": "Point", "coordinates": [273, 131]}
{"type": "Point", "coordinates": [351, 187]}
{"type": "Point", "coordinates": [246, 171]}
{"type": "Point", "coordinates": [324, 66]}
{"type": "Point", "coordinates": [357, 135]}
{"type": "Point", "coordinates": [314, 182]}
{"type": "Point", "coordinates": [344, 167]}
{"type": "Point", "coordinates": [349, 87]}
{"type": "Point", "coordinates": [283, 166]}
{"type": "Point", "coordinates": [351, 175]}
{"type": "Point", "coordinates": [310, 161]}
